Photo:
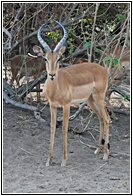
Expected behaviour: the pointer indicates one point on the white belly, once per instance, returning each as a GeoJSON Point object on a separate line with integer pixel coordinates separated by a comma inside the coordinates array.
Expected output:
{"type": "Point", "coordinates": [81, 93]}
{"type": "Point", "coordinates": [76, 101]}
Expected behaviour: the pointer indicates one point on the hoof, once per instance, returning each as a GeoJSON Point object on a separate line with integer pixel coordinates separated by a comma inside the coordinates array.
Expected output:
{"type": "Point", "coordinates": [98, 150]}
{"type": "Point", "coordinates": [63, 163]}
{"type": "Point", "coordinates": [47, 164]}
{"type": "Point", "coordinates": [106, 156]}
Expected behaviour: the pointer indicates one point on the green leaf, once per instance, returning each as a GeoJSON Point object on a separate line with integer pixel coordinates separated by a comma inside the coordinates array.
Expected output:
{"type": "Point", "coordinates": [32, 69]}
{"type": "Point", "coordinates": [121, 17]}
{"type": "Point", "coordinates": [86, 45]}
{"type": "Point", "coordinates": [23, 57]}
{"type": "Point", "coordinates": [107, 60]}
{"type": "Point", "coordinates": [71, 50]}
{"type": "Point", "coordinates": [115, 61]}
{"type": "Point", "coordinates": [127, 97]}
{"type": "Point", "coordinates": [111, 60]}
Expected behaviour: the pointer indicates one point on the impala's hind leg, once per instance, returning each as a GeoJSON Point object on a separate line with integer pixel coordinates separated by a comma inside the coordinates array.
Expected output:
{"type": "Point", "coordinates": [97, 105]}
{"type": "Point", "coordinates": [110, 107]}
{"type": "Point", "coordinates": [94, 108]}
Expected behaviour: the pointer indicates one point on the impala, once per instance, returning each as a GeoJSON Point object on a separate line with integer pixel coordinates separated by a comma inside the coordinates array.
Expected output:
{"type": "Point", "coordinates": [24, 65]}
{"type": "Point", "coordinates": [74, 84]}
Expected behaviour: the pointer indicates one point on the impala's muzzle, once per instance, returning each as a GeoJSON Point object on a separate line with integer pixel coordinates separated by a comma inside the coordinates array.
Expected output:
{"type": "Point", "coordinates": [52, 76]}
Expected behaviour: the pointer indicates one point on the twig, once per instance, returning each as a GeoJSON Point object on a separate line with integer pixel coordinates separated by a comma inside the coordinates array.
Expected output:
{"type": "Point", "coordinates": [92, 136]}
{"type": "Point", "coordinates": [124, 154]}
{"type": "Point", "coordinates": [60, 119]}
{"type": "Point", "coordinates": [25, 151]}
{"type": "Point", "coordinates": [88, 145]}
{"type": "Point", "coordinates": [88, 123]}
{"type": "Point", "coordinates": [77, 112]}
{"type": "Point", "coordinates": [100, 167]}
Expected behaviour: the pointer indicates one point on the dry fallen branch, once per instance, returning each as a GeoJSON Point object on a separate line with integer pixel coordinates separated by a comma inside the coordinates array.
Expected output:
{"type": "Point", "coordinates": [24, 106]}
{"type": "Point", "coordinates": [91, 116]}
{"type": "Point", "coordinates": [7, 87]}
{"type": "Point", "coordinates": [77, 112]}
{"type": "Point", "coordinates": [123, 154]}
{"type": "Point", "coordinates": [121, 112]}
{"type": "Point", "coordinates": [18, 103]}
{"type": "Point", "coordinates": [60, 119]}
{"type": "Point", "coordinates": [119, 90]}
{"type": "Point", "coordinates": [90, 146]}
{"type": "Point", "coordinates": [26, 89]}
{"type": "Point", "coordinates": [101, 167]}
{"type": "Point", "coordinates": [25, 151]}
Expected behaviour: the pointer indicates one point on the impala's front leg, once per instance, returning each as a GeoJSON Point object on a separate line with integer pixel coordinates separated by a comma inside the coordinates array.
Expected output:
{"type": "Point", "coordinates": [66, 111]}
{"type": "Point", "coordinates": [53, 111]}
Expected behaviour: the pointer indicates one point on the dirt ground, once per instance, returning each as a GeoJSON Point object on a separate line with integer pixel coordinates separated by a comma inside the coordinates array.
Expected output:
{"type": "Point", "coordinates": [25, 151]}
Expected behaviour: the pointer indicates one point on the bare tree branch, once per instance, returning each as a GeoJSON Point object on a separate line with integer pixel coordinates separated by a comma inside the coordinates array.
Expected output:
{"type": "Point", "coordinates": [7, 44]}
{"type": "Point", "coordinates": [92, 36]}
{"type": "Point", "coordinates": [71, 11]}
{"type": "Point", "coordinates": [17, 17]}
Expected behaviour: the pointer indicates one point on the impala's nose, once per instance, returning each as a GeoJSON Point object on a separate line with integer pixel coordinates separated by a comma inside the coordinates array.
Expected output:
{"type": "Point", "coordinates": [52, 76]}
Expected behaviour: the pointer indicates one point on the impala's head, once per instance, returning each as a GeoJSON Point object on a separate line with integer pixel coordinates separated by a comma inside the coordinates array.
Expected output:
{"type": "Point", "coordinates": [51, 57]}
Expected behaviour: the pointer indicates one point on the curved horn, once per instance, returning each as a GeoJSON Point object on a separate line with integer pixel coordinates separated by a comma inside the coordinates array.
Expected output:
{"type": "Point", "coordinates": [62, 41]}
{"type": "Point", "coordinates": [42, 42]}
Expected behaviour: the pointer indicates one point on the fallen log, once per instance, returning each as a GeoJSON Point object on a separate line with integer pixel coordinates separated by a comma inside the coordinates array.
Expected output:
{"type": "Point", "coordinates": [24, 106]}
{"type": "Point", "coordinates": [18, 103]}
{"type": "Point", "coordinates": [120, 91]}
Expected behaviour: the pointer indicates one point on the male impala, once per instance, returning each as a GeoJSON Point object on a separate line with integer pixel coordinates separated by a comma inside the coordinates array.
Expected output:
{"type": "Point", "coordinates": [74, 84]}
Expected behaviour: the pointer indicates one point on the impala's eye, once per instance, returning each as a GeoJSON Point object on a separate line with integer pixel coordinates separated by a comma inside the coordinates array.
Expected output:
{"type": "Point", "coordinates": [58, 59]}
{"type": "Point", "coordinates": [45, 59]}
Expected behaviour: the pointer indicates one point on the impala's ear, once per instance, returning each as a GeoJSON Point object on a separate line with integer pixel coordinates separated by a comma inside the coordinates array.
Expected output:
{"type": "Point", "coordinates": [62, 50]}
{"type": "Point", "coordinates": [38, 50]}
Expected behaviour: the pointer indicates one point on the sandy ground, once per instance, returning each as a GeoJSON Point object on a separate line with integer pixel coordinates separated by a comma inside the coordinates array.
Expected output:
{"type": "Point", "coordinates": [25, 151]}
